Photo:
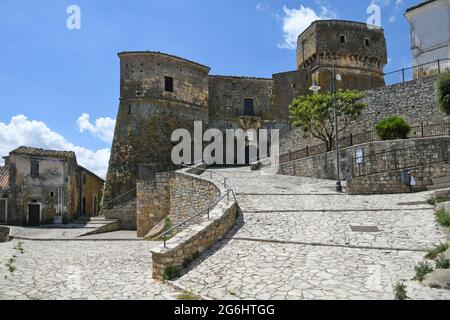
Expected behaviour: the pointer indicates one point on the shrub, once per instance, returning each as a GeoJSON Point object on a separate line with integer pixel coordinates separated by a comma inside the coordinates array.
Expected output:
{"type": "Point", "coordinates": [443, 92]}
{"type": "Point", "coordinates": [186, 295]}
{"type": "Point", "coordinates": [435, 200]}
{"type": "Point", "coordinates": [443, 218]}
{"type": "Point", "coordinates": [400, 291]}
{"type": "Point", "coordinates": [172, 273]}
{"type": "Point", "coordinates": [442, 262]}
{"type": "Point", "coordinates": [422, 269]}
{"type": "Point", "coordinates": [434, 253]}
{"type": "Point", "coordinates": [393, 128]}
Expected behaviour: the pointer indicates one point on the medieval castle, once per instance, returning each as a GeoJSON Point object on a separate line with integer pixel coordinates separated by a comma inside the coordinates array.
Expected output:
{"type": "Point", "coordinates": [160, 93]}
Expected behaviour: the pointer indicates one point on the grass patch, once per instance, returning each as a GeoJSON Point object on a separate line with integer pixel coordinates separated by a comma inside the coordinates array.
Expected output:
{"type": "Point", "coordinates": [435, 200]}
{"type": "Point", "coordinates": [10, 265]}
{"type": "Point", "coordinates": [443, 218]}
{"type": "Point", "coordinates": [442, 262]}
{"type": "Point", "coordinates": [422, 269]}
{"type": "Point", "coordinates": [172, 273]}
{"type": "Point", "coordinates": [434, 253]}
{"type": "Point", "coordinates": [186, 295]}
{"type": "Point", "coordinates": [400, 291]}
{"type": "Point", "coordinates": [19, 247]}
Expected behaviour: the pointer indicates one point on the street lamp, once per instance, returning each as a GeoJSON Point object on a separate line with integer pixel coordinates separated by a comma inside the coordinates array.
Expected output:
{"type": "Point", "coordinates": [315, 88]}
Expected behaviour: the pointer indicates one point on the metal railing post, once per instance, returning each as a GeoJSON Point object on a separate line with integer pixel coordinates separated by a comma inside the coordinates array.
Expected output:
{"type": "Point", "coordinates": [439, 66]}
{"type": "Point", "coordinates": [422, 127]}
{"type": "Point", "coordinates": [164, 240]}
{"type": "Point", "coordinates": [403, 75]}
{"type": "Point", "coordinates": [207, 210]}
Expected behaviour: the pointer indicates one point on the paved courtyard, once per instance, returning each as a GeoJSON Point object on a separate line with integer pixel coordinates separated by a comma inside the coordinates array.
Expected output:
{"type": "Point", "coordinates": [80, 270]}
{"type": "Point", "coordinates": [294, 240]}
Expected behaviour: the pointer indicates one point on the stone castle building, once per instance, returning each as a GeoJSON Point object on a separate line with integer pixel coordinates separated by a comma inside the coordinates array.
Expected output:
{"type": "Point", "coordinates": [160, 93]}
{"type": "Point", "coordinates": [45, 186]}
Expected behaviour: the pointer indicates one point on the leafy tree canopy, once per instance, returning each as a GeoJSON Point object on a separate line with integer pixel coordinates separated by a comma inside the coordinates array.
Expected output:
{"type": "Point", "coordinates": [314, 113]}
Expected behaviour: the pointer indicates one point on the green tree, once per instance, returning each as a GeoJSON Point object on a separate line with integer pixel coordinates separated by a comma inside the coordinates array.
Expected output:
{"type": "Point", "coordinates": [443, 92]}
{"type": "Point", "coordinates": [314, 113]}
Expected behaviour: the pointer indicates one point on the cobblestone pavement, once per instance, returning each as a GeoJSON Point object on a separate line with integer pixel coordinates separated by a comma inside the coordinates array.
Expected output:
{"type": "Point", "coordinates": [80, 270]}
{"type": "Point", "coordinates": [294, 241]}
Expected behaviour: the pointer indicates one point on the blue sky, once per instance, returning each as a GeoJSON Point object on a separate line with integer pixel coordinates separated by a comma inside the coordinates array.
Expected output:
{"type": "Point", "coordinates": [52, 75]}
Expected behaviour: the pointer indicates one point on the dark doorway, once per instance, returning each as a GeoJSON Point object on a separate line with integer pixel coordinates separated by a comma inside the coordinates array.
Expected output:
{"type": "Point", "coordinates": [83, 210]}
{"type": "Point", "coordinates": [34, 215]}
{"type": "Point", "coordinates": [3, 211]}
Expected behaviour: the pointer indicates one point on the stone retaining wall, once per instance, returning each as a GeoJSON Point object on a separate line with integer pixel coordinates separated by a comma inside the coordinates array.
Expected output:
{"type": "Point", "coordinates": [196, 238]}
{"type": "Point", "coordinates": [190, 194]}
{"type": "Point", "coordinates": [413, 150]}
{"type": "Point", "coordinates": [414, 100]}
{"type": "Point", "coordinates": [390, 182]}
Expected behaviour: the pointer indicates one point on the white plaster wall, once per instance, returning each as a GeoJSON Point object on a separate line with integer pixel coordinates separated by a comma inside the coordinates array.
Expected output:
{"type": "Point", "coordinates": [430, 32]}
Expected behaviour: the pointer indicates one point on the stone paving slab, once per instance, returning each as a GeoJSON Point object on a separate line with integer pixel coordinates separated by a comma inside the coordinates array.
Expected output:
{"type": "Point", "coordinates": [403, 229]}
{"type": "Point", "coordinates": [300, 243]}
{"type": "Point", "coordinates": [245, 270]}
{"type": "Point", "coordinates": [41, 233]}
{"type": "Point", "coordinates": [80, 270]}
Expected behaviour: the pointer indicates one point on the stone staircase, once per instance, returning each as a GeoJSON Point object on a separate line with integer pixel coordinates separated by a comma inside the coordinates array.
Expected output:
{"type": "Point", "coordinates": [95, 225]}
{"type": "Point", "coordinates": [440, 183]}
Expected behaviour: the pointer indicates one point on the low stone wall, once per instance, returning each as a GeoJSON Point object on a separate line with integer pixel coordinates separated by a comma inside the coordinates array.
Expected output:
{"type": "Point", "coordinates": [391, 182]}
{"type": "Point", "coordinates": [323, 166]}
{"type": "Point", "coordinates": [189, 195]}
{"type": "Point", "coordinates": [4, 234]}
{"type": "Point", "coordinates": [196, 238]}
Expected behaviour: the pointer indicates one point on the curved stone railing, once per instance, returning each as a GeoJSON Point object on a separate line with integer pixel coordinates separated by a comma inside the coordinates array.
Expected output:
{"type": "Point", "coordinates": [201, 230]}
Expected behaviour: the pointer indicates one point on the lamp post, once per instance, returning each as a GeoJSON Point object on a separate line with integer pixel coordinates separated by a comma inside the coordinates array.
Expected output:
{"type": "Point", "coordinates": [315, 88]}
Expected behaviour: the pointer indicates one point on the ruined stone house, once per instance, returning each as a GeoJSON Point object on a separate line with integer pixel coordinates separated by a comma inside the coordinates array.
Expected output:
{"type": "Point", "coordinates": [160, 93]}
{"type": "Point", "coordinates": [45, 186]}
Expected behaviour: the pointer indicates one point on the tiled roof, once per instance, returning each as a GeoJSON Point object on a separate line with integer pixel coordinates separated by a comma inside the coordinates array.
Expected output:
{"type": "Point", "coordinates": [44, 153]}
{"type": "Point", "coordinates": [4, 178]}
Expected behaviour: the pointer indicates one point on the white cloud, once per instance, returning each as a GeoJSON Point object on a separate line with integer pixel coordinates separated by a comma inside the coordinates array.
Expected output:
{"type": "Point", "coordinates": [295, 21]}
{"type": "Point", "coordinates": [102, 129]}
{"type": "Point", "coordinates": [22, 132]}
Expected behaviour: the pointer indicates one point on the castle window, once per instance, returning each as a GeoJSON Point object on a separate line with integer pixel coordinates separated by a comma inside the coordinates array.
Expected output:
{"type": "Point", "coordinates": [168, 84]}
{"type": "Point", "coordinates": [52, 194]}
{"type": "Point", "coordinates": [84, 178]}
{"type": "Point", "coordinates": [248, 107]}
{"type": "Point", "coordinates": [342, 38]}
{"type": "Point", "coordinates": [367, 42]}
{"type": "Point", "coordinates": [34, 168]}
{"type": "Point", "coordinates": [129, 110]}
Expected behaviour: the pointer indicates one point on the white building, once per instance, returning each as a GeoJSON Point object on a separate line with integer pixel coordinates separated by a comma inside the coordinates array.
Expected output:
{"type": "Point", "coordinates": [430, 32]}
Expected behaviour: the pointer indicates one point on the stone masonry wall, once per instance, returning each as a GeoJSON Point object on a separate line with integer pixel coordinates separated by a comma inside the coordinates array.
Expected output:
{"type": "Point", "coordinates": [414, 100]}
{"type": "Point", "coordinates": [195, 239]}
{"type": "Point", "coordinates": [390, 182]}
{"type": "Point", "coordinates": [153, 201]}
{"type": "Point", "coordinates": [189, 195]}
{"type": "Point", "coordinates": [413, 151]}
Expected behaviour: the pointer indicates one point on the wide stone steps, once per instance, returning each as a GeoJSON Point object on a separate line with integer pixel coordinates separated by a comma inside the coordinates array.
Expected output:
{"type": "Point", "coordinates": [95, 225]}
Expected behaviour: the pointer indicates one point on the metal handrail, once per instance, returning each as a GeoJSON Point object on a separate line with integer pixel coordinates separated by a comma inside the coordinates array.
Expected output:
{"type": "Point", "coordinates": [118, 197]}
{"type": "Point", "coordinates": [211, 206]}
{"type": "Point", "coordinates": [419, 131]}
{"type": "Point", "coordinates": [418, 66]}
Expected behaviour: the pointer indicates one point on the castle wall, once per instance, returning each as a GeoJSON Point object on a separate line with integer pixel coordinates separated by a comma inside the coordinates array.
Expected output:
{"type": "Point", "coordinates": [359, 62]}
{"type": "Point", "coordinates": [148, 114]}
{"type": "Point", "coordinates": [226, 100]}
{"type": "Point", "coordinates": [414, 100]}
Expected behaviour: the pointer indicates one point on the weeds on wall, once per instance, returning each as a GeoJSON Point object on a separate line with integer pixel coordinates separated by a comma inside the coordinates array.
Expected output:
{"type": "Point", "coordinates": [422, 269]}
{"type": "Point", "coordinates": [443, 218]}
{"type": "Point", "coordinates": [400, 292]}
{"type": "Point", "coordinates": [434, 253]}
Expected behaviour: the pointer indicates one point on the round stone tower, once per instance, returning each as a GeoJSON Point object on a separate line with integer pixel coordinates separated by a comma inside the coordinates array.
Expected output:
{"type": "Point", "coordinates": [357, 50]}
{"type": "Point", "coordinates": [158, 94]}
